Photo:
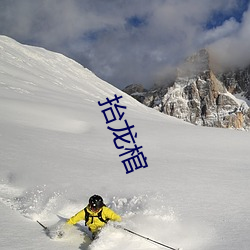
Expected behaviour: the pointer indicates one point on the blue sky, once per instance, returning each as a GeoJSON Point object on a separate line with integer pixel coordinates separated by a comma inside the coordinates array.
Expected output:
{"type": "Point", "coordinates": [131, 41]}
{"type": "Point", "coordinates": [218, 17]}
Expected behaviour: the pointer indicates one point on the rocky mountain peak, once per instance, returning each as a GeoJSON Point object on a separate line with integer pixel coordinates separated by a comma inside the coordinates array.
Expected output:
{"type": "Point", "coordinates": [200, 96]}
{"type": "Point", "coordinates": [196, 64]}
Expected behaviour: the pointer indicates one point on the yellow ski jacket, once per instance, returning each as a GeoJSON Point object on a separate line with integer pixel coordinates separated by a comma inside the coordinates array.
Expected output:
{"type": "Point", "coordinates": [94, 223]}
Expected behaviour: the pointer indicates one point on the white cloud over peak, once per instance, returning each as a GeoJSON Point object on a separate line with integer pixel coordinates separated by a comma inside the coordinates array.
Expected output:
{"type": "Point", "coordinates": [126, 41]}
{"type": "Point", "coordinates": [233, 49]}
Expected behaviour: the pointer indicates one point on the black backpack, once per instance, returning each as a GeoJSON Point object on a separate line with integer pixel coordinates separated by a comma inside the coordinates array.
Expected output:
{"type": "Point", "coordinates": [88, 216]}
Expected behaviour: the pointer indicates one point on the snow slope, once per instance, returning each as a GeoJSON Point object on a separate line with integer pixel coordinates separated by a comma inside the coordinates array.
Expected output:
{"type": "Point", "coordinates": [56, 151]}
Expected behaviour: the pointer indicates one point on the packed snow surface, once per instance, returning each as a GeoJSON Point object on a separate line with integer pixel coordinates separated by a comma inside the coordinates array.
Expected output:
{"type": "Point", "coordinates": [56, 151]}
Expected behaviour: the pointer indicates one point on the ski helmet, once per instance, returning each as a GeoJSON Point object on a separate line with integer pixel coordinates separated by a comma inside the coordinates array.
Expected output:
{"type": "Point", "coordinates": [96, 202]}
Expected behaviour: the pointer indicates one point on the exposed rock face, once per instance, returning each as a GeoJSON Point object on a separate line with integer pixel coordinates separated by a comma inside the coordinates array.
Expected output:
{"type": "Point", "coordinates": [237, 81]}
{"type": "Point", "coordinates": [199, 97]}
{"type": "Point", "coordinates": [137, 91]}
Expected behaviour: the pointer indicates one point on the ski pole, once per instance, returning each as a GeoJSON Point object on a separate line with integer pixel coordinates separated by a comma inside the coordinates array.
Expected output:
{"type": "Point", "coordinates": [150, 239]}
{"type": "Point", "coordinates": [45, 228]}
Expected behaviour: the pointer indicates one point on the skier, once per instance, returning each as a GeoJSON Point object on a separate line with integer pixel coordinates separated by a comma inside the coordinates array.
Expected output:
{"type": "Point", "coordinates": [95, 214]}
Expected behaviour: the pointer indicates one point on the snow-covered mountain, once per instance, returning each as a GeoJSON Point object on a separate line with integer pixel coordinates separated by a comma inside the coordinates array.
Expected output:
{"type": "Point", "coordinates": [56, 151]}
{"type": "Point", "coordinates": [201, 95]}
{"type": "Point", "coordinates": [237, 81]}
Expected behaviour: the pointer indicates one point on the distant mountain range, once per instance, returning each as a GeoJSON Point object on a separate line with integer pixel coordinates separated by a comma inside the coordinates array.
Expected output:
{"type": "Point", "coordinates": [202, 94]}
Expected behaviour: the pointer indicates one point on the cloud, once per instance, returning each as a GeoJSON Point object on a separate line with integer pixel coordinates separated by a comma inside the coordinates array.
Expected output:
{"type": "Point", "coordinates": [228, 28]}
{"type": "Point", "coordinates": [121, 41]}
{"type": "Point", "coordinates": [233, 49]}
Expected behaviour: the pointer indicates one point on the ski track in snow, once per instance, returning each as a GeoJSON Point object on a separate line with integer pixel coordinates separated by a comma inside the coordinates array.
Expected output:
{"type": "Point", "coordinates": [43, 117]}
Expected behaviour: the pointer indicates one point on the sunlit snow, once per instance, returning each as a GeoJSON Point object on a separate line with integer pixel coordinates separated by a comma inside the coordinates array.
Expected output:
{"type": "Point", "coordinates": [56, 151]}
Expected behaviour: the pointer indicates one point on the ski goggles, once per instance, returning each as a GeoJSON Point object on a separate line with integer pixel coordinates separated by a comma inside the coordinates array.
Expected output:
{"type": "Point", "coordinates": [94, 208]}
